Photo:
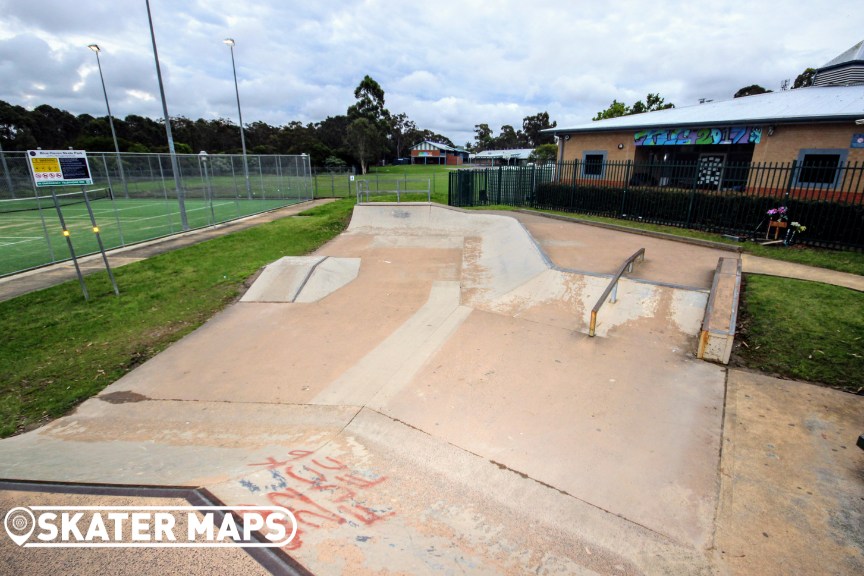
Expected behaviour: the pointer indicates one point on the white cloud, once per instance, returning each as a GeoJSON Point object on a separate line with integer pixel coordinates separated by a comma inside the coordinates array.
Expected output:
{"type": "Point", "coordinates": [448, 66]}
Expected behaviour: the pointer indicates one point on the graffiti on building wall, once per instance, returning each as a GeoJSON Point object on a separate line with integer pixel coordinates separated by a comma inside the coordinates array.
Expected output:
{"type": "Point", "coordinates": [698, 136]}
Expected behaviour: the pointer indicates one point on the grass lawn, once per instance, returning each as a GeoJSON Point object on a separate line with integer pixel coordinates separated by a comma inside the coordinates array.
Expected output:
{"type": "Point", "coordinates": [384, 178]}
{"type": "Point", "coordinates": [802, 330]}
{"type": "Point", "coordinates": [59, 350]}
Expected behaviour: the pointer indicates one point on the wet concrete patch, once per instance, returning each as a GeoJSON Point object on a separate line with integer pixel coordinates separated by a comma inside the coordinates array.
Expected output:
{"type": "Point", "coordinates": [122, 397]}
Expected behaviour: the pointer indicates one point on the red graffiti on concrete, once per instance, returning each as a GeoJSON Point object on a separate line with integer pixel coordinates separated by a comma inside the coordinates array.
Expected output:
{"type": "Point", "coordinates": [321, 492]}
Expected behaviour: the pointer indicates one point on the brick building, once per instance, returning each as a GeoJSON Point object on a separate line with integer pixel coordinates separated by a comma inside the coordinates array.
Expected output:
{"type": "Point", "coordinates": [428, 152]}
{"type": "Point", "coordinates": [820, 128]}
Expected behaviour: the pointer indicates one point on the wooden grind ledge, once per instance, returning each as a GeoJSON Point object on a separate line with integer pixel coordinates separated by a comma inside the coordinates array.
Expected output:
{"type": "Point", "coordinates": [718, 324]}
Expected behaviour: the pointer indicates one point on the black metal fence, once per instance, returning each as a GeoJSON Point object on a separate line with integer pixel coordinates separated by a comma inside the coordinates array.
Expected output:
{"type": "Point", "coordinates": [826, 200]}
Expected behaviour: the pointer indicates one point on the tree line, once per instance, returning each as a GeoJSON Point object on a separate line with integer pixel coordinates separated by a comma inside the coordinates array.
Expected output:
{"type": "Point", "coordinates": [367, 133]}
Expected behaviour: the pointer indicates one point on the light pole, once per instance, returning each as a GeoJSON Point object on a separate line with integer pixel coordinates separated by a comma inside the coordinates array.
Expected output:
{"type": "Point", "coordinates": [95, 48]}
{"type": "Point", "coordinates": [230, 43]}
{"type": "Point", "coordinates": [175, 168]}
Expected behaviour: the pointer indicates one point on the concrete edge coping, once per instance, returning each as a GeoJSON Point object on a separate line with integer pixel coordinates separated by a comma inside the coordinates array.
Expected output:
{"type": "Point", "coordinates": [721, 313]}
{"type": "Point", "coordinates": [651, 233]}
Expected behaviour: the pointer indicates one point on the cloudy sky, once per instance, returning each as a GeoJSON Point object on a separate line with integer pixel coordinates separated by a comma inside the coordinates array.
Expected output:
{"type": "Point", "coordinates": [447, 65]}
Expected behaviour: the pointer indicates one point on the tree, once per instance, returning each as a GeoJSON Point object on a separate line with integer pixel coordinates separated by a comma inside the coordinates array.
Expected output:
{"type": "Point", "coordinates": [433, 137]}
{"type": "Point", "coordinates": [614, 110]}
{"type": "Point", "coordinates": [751, 90]}
{"type": "Point", "coordinates": [370, 102]}
{"type": "Point", "coordinates": [145, 131]}
{"type": "Point", "coordinates": [653, 102]}
{"type": "Point", "coordinates": [402, 131]}
{"type": "Point", "coordinates": [532, 127]}
{"type": "Point", "coordinates": [363, 137]}
{"type": "Point", "coordinates": [369, 107]}
{"type": "Point", "coordinates": [508, 138]}
{"type": "Point", "coordinates": [482, 137]}
{"type": "Point", "coordinates": [52, 128]}
{"type": "Point", "coordinates": [544, 153]}
{"type": "Point", "coordinates": [804, 79]}
{"type": "Point", "coordinates": [48, 127]}
{"type": "Point", "coordinates": [15, 128]}
{"type": "Point", "coordinates": [335, 164]}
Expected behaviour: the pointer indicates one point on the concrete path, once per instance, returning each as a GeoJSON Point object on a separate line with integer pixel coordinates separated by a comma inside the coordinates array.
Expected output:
{"type": "Point", "coordinates": [792, 498]}
{"type": "Point", "coordinates": [444, 411]}
{"type": "Point", "coordinates": [756, 265]}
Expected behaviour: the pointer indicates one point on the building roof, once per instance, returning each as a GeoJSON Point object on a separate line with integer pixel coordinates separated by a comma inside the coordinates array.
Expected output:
{"type": "Point", "coordinates": [444, 147]}
{"type": "Point", "coordinates": [853, 54]}
{"type": "Point", "coordinates": [813, 104]}
{"type": "Point", "coordinates": [514, 154]}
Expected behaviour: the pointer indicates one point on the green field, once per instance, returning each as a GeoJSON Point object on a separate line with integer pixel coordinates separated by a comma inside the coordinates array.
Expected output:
{"type": "Point", "coordinates": [383, 182]}
{"type": "Point", "coordinates": [34, 238]}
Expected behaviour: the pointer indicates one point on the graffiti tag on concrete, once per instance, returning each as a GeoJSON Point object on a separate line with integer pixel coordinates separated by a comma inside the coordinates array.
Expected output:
{"type": "Point", "coordinates": [321, 491]}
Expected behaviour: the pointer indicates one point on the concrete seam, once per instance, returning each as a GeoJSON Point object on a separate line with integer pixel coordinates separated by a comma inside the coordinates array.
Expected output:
{"type": "Point", "coordinates": [527, 477]}
{"type": "Point", "coordinates": [306, 279]}
{"type": "Point", "coordinates": [728, 412]}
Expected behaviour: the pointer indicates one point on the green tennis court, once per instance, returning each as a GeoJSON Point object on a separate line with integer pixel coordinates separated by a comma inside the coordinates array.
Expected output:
{"type": "Point", "coordinates": [31, 234]}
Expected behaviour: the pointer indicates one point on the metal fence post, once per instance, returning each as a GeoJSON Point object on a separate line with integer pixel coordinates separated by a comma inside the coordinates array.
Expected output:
{"type": "Point", "coordinates": [692, 196]}
{"type": "Point", "coordinates": [627, 172]}
{"type": "Point", "coordinates": [793, 175]}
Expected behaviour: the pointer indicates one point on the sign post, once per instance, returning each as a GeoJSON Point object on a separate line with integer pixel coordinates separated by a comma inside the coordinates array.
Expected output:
{"type": "Point", "coordinates": [52, 168]}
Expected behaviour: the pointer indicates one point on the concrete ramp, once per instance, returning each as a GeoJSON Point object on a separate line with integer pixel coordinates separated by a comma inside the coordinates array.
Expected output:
{"type": "Point", "coordinates": [302, 279]}
{"type": "Point", "coordinates": [394, 363]}
{"type": "Point", "coordinates": [564, 299]}
{"type": "Point", "coordinates": [498, 253]}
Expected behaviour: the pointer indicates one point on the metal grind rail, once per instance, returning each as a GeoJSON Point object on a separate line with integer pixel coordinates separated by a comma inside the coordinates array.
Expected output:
{"type": "Point", "coordinates": [612, 288]}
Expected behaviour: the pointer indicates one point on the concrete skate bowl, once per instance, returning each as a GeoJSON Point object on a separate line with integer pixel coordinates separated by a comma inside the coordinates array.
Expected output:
{"type": "Point", "coordinates": [504, 270]}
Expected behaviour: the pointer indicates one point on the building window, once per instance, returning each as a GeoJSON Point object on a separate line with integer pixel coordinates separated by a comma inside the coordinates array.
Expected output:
{"type": "Point", "coordinates": [820, 167]}
{"type": "Point", "coordinates": [593, 163]}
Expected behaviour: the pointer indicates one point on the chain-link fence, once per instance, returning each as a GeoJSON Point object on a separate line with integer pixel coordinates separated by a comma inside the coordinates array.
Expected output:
{"type": "Point", "coordinates": [136, 197]}
{"type": "Point", "coordinates": [343, 184]}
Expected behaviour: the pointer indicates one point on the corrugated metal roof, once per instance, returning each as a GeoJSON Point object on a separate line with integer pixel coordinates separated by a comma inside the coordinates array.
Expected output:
{"type": "Point", "coordinates": [438, 145]}
{"type": "Point", "coordinates": [854, 53]}
{"type": "Point", "coordinates": [802, 105]}
{"type": "Point", "coordinates": [517, 153]}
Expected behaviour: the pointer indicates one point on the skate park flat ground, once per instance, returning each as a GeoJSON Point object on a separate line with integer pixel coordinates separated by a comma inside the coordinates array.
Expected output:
{"type": "Point", "coordinates": [423, 394]}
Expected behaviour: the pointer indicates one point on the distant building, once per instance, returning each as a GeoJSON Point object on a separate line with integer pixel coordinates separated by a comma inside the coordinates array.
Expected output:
{"type": "Point", "coordinates": [428, 152]}
{"type": "Point", "coordinates": [821, 128]}
{"type": "Point", "coordinates": [515, 157]}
